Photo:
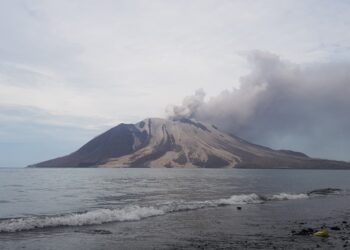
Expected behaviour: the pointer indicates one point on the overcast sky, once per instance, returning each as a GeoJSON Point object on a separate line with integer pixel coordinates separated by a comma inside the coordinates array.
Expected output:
{"type": "Point", "coordinates": [71, 69]}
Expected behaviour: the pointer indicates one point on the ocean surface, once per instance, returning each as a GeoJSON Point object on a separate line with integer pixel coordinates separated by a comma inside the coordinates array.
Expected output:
{"type": "Point", "coordinates": [169, 208]}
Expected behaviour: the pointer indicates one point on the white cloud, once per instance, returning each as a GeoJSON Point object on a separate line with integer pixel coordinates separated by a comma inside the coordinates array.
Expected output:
{"type": "Point", "coordinates": [122, 61]}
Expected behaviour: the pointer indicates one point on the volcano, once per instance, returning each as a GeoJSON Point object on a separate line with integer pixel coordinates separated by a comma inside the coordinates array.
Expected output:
{"type": "Point", "coordinates": [181, 143]}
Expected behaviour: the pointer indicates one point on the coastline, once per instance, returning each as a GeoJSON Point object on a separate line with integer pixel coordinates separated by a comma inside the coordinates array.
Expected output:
{"type": "Point", "coordinates": [255, 226]}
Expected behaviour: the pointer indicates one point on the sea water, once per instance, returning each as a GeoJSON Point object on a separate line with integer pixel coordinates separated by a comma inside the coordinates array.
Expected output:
{"type": "Point", "coordinates": [37, 204]}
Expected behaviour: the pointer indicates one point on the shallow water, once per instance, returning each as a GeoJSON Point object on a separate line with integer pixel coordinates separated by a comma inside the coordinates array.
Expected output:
{"type": "Point", "coordinates": [69, 204]}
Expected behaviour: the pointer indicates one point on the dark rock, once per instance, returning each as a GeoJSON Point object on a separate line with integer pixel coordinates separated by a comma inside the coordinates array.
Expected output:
{"type": "Point", "coordinates": [305, 231]}
{"type": "Point", "coordinates": [196, 124]}
{"type": "Point", "coordinates": [324, 191]}
{"type": "Point", "coordinates": [335, 228]}
{"type": "Point", "coordinates": [142, 124]}
{"type": "Point", "coordinates": [101, 231]}
{"type": "Point", "coordinates": [239, 208]}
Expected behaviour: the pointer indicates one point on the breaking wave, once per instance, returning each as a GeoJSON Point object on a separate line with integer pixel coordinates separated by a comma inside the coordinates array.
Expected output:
{"type": "Point", "coordinates": [241, 199]}
{"type": "Point", "coordinates": [94, 217]}
{"type": "Point", "coordinates": [132, 213]}
{"type": "Point", "coordinates": [286, 196]}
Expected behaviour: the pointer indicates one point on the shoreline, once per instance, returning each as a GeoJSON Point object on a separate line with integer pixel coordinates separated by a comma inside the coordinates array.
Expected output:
{"type": "Point", "coordinates": [254, 226]}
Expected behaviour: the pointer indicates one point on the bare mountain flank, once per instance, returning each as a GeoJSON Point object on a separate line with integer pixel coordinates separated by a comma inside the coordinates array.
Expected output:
{"type": "Point", "coordinates": [181, 143]}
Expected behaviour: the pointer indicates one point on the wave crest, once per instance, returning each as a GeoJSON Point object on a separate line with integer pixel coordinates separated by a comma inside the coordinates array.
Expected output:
{"type": "Point", "coordinates": [240, 199]}
{"type": "Point", "coordinates": [132, 213]}
{"type": "Point", "coordinates": [94, 217]}
{"type": "Point", "coordinates": [287, 196]}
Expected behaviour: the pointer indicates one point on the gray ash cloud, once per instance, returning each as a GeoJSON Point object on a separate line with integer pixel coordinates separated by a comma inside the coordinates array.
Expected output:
{"type": "Point", "coordinates": [189, 107]}
{"type": "Point", "coordinates": [283, 105]}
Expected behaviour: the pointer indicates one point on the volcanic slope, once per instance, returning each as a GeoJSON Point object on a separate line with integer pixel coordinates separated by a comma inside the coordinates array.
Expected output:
{"type": "Point", "coordinates": [181, 143]}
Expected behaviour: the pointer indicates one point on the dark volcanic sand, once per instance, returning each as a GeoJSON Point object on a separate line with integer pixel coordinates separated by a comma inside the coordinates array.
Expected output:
{"type": "Point", "coordinates": [256, 226]}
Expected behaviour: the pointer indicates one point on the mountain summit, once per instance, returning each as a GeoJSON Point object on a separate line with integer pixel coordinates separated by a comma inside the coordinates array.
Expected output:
{"type": "Point", "coordinates": [181, 143]}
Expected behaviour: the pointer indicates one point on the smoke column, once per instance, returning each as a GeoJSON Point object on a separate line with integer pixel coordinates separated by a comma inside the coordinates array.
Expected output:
{"type": "Point", "coordinates": [283, 105]}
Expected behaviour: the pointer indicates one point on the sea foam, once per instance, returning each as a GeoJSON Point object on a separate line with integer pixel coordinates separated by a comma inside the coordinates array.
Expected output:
{"type": "Point", "coordinates": [287, 196]}
{"type": "Point", "coordinates": [94, 217]}
{"type": "Point", "coordinates": [240, 199]}
{"type": "Point", "coordinates": [132, 213]}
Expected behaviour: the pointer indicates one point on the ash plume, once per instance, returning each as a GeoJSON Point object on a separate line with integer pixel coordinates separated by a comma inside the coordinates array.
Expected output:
{"type": "Point", "coordinates": [283, 105]}
{"type": "Point", "coordinates": [189, 107]}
